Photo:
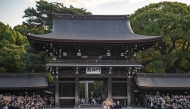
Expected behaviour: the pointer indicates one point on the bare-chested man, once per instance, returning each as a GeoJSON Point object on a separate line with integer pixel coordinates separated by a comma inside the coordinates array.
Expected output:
{"type": "Point", "coordinates": [106, 104]}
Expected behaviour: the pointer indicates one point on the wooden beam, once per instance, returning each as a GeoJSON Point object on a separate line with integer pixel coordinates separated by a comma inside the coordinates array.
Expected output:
{"type": "Point", "coordinates": [119, 97]}
{"type": "Point", "coordinates": [119, 81]}
{"type": "Point", "coordinates": [66, 97]}
{"type": "Point", "coordinates": [66, 81]}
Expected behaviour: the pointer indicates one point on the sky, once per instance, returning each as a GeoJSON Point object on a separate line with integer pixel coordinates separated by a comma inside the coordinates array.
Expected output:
{"type": "Point", "coordinates": [11, 11]}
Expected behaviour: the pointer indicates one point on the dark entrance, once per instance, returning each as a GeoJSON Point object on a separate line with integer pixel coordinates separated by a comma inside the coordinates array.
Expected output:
{"type": "Point", "coordinates": [138, 97]}
{"type": "Point", "coordinates": [92, 92]}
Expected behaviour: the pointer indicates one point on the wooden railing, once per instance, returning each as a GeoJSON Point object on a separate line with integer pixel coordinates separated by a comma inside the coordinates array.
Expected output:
{"type": "Point", "coordinates": [94, 62]}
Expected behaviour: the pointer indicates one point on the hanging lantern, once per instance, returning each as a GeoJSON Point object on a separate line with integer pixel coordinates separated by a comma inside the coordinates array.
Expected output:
{"type": "Point", "coordinates": [135, 54]}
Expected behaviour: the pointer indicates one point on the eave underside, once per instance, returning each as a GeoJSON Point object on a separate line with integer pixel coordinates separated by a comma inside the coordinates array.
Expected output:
{"type": "Point", "coordinates": [105, 41]}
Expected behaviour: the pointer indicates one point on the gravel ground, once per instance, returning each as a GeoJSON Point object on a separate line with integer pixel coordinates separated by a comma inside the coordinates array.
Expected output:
{"type": "Point", "coordinates": [98, 108]}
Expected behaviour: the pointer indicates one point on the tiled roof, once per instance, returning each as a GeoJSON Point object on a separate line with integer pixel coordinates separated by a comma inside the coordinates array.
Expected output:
{"type": "Point", "coordinates": [105, 28]}
{"type": "Point", "coordinates": [22, 81]}
{"type": "Point", "coordinates": [163, 81]}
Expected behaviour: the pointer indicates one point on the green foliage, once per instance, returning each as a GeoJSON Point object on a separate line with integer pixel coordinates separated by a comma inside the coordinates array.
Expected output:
{"type": "Point", "coordinates": [33, 61]}
{"type": "Point", "coordinates": [11, 47]}
{"type": "Point", "coordinates": [22, 29]}
{"type": "Point", "coordinates": [95, 87]}
{"type": "Point", "coordinates": [41, 17]}
{"type": "Point", "coordinates": [81, 90]}
{"type": "Point", "coordinates": [16, 55]}
{"type": "Point", "coordinates": [38, 21]}
{"type": "Point", "coordinates": [171, 21]}
{"type": "Point", "coordinates": [49, 77]}
{"type": "Point", "coordinates": [187, 36]}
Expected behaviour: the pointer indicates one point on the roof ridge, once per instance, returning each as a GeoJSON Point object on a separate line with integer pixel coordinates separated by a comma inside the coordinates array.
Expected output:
{"type": "Point", "coordinates": [76, 16]}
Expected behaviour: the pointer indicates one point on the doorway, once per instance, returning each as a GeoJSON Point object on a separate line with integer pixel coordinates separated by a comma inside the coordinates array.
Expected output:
{"type": "Point", "coordinates": [138, 97]}
{"type": "Point", "coordinates": [92, 92]}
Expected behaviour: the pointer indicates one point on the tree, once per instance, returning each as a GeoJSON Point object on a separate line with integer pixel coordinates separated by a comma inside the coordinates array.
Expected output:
{"type": "Point", "coordinates": [24, 30]}
{"type": "Point", "coordinates": [39, 21]}
{"type": "Point", "coordinates": [42, 16]}
{"type": "Point", "coordinates": [33, 60]}
{"type": "Point", "coordinates": [11, 46]}
{"type": "Point", "coordinates": [170, 20]}
{"type": "Point", "coordinates": [49, 77]}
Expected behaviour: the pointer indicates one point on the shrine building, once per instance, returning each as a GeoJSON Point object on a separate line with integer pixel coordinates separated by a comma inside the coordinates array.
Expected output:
{"type": "Point", "coordinates": [89, 49]}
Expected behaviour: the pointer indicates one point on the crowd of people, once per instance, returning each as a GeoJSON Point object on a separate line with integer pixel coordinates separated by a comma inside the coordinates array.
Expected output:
{"type": "Point", "coordinates": [25, 102]}
{"type": "Point", "coordinates": [169, 102]}
{"type": "Point", "coordinates": [109, 104]}
{"type": "Point", "coordinates": [91, 100]}
{"type": "Point", "coordinates": [38, 102]}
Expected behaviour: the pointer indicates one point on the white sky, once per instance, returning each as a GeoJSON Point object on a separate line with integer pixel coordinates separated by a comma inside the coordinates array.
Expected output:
{"type": "Point", "coordinates": [11, 11]}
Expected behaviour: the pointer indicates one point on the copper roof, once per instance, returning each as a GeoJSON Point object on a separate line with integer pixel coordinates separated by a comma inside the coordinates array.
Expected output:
{"type": "Point", "coordinates": [93, 29]}
{"type": "Point", "coordinates": [163, 81]}
{"type": "Point", "coordinates": [23, 81]}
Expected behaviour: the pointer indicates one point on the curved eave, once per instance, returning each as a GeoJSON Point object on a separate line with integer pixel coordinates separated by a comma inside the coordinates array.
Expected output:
{"type": "Point", "coordinates": [23, 87]}
{"type": "Point", "coordinates": [32, 37]}
{"type": "Point", "coordinates": [162, 88]}
{"type": "Point", "coordinates": [162, 81]}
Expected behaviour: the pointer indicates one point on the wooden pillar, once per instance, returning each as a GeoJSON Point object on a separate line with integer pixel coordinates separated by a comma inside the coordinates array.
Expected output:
{"type": "Point", "coordinates": [86, 92]}
{"type": "Point", "coordinates": [128, 92]}
{"type": "Point", "coordinates": [109, 87]}
{"type": "Point", "coordinates": [132, 98]}
{"type": "Point", "coordinates": [76, 91]}
{"type": "Point", "coordinates": [124, 102]}
{"type": "Point", "coordinates": [144, 101]}
{"type": "Point", "coordinates": [56, 91]}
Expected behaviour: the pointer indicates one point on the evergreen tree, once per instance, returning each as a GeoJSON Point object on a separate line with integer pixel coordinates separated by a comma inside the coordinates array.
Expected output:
{"type": "Point", "coordinates": [170, 20]}
{"type": "Point", "coordinates": [11, 47]}
{"type": "Point", "coordinates": [39, 21]}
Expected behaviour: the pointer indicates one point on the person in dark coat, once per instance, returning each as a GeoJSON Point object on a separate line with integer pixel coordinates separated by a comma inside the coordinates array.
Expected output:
{"type": "Point", "coordinates": [12, 106]}
{"type": "Point", "coordinates": [117, 106]}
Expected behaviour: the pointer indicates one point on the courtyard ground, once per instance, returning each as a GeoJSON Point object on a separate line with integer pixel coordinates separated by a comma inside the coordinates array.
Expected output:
{"type": "Point", "coordinates": [98, 108]}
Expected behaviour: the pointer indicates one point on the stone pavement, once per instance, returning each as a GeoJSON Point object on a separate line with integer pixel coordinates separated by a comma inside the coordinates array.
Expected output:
{"type": "Point", "coordinates": [97, 108]}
